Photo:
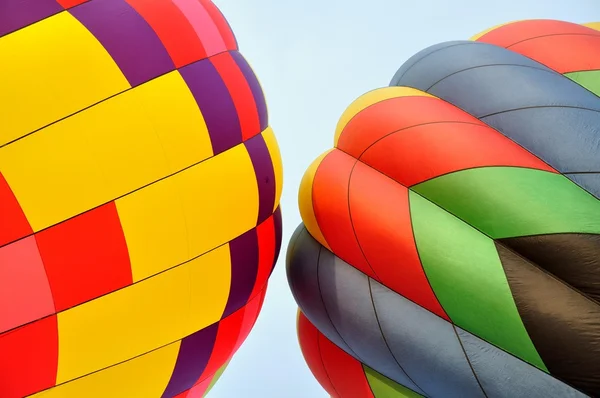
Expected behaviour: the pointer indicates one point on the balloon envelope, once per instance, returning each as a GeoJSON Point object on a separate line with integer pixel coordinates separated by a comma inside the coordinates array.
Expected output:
{"type": "Point", "coordinates": [450, 244]}
{"type": "Point", "coordinates": [139, 198]}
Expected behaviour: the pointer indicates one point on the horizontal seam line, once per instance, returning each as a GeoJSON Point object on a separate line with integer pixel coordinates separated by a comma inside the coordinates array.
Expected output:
{"type": "Point", "coordinates": [148, 352]}
{"type": "Point", "coordinates": [133, 191]}
{"type": "Point", "coordinates": [104, 100]}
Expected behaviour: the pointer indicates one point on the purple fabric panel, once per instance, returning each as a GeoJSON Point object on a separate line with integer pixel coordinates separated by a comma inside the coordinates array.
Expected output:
{"type": "Point", "coordinates": [265, 175]}
{"type": "Point", "coordinates": [194, 353]}
{"type": "Point", "coordinates": [215, 103]}
{"type": "Point", "coordinates": [127, 37]}
{"type": "Point", "coordinates": [244, 267]}
{"type": "Point", "coordinates": [16, 14]}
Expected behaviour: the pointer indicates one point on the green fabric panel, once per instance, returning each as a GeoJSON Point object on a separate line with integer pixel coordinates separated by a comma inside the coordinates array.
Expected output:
{"type": "Point", "coordinates": [506, 202]}
{"type": "Point", "coordinates": [215, 378]}
{"type": "Point", "coordinates": [589, 79]}
{"type": "Point", "coordinates": [465, 272]}
{"type": "Point", "coordinates": [384, 387]}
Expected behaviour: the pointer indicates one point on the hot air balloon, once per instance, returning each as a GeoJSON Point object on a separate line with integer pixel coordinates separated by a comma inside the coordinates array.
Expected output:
{"type": "Point", "coordinates": [450, 244]}
{"type": "Point", "coordinates": [139, 198]}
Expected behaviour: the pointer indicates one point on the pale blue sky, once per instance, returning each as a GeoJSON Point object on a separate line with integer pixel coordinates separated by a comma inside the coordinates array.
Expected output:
{"type": "Point", "coordinates": [313, 58]}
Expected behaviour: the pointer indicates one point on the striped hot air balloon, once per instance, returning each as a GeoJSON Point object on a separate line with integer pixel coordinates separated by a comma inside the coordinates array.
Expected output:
{"type": "Point", "coordinates": [450, 244]}
{"type": "Point", "coordinates": [139, 198]}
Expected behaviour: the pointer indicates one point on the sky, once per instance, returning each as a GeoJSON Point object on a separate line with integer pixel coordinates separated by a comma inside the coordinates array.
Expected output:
{"type": "Point", "coordinates": [313, 58]}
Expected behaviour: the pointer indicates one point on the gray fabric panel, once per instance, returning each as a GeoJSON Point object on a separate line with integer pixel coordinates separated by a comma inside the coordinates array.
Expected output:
{"type": "Point", "coordinates": [498, 88]}
{"type": "Point", "coordinates": [347, 297]}
{"type": "Point", "coordinates": [566, 138]}
{"type": "Point", "coordinates": [421, 55]}
{"type": "Point", "coordinates": [590, 182]}
{"type": "Point", "coordinates": [426, 345]}
{"type": "Point", "coordinates": [493, 83]}
{"type": "Point", "coordinates": [301, 265]}
{"type": "Point", "coordinates": [439, 62]}
{"type": "Point", "coordinates": [504, 376]}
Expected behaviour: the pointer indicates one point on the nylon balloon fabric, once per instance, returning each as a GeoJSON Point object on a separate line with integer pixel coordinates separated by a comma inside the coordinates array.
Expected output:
{"type": "Point", "coordinates": [450, 244]}
{"type": "Point", "coordinates": [139, 198]}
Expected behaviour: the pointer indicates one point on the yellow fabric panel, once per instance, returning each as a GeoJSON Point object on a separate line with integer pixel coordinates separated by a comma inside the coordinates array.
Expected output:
{"type": "Point", "coordinates": [190, 213]}
{"type": "Point", "coordinates": [155, 229]}
{"type": "Point", "coordinates": [50, 70]}
{"type": "Point", "coordinates": [593, 25]}
{"type": "Point", "coordinates": [481, 34]}
{"type": "Point", "coordinates": [220, 199]}
{"type": "Point", "coordinates": [106, 151]}
{"type": "Point", "coordinates": [174, 114]}
{"type": "Point", "coordinates": [53, 175]}
{"type": "Point", "coordinates": [273, 148]}
{"type": "Point", "coordinates": [144, 376]}
{"type": "Point", "coordinates": [141, 317]}
{"type": "Point", "coordinates": [370, 98]}
{"type": "Point", "coordinates": [298, 313]}
{"type": "Point", "coordinates": [305, 201]}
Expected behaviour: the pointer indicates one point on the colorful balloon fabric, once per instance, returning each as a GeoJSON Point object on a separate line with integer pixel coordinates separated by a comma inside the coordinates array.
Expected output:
{"type": "Point", "coordinates": [139, 198]}
{"type": "Point", "coordinates": [450, 244]}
